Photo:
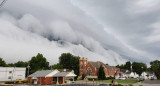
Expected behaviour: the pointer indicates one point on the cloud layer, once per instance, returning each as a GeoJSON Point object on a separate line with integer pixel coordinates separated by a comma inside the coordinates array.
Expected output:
{"type": "Point", "coordinates": [108, 31]}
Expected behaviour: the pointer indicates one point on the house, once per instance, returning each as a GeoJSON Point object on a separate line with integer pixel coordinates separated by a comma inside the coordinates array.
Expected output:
{"type": "Point", "coordinates": [148, 75]}
{"type": "Point", "coordinates": [12, 73]}
{"type": "Point", "coordinates": [133, 75]}
{"type": "Point", "coordinates": [90, 69]}
{"type": "Point", "coordinates": [48, 77]}
{"type": "Point", "coordinates": [123, 74]}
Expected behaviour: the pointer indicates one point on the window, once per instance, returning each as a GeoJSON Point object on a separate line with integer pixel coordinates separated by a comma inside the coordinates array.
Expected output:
{"type": "Point", "coordinates": [85, 63]}
{"type": "Point", "coordinates": [9, 77]}
{"type": "Point", "coordinates": [81, 73]}
{"type": "Point", "coordinates": [88, 71]}
{"type": "Point", "coordinates": [10, 71]}
{"type": "Point", "coordinates": [54, 80]}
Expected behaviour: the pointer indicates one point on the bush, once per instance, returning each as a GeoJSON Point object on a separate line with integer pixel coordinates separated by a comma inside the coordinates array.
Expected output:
{"type": "Point", "coordinates": [83, 76]}
{"type": "Point", "coordinates": [25, 81]}
{"type": "Point", "coordinates": [91, 79]}
{"type": "Point", "coordinates": [108, 78]}
{"type": "Point", "coordinates": [118, 85]}
{"type": "Point", "coordinates": [9, 82]}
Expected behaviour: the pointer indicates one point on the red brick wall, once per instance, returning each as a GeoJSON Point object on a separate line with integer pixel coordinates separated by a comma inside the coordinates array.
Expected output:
{"type": "Point", "coordinates": [108, 72]}
{"type": "Point", "coordinates": [48, 80]}
{"type": "Point", "coordinates": [85, 67]}
{"type": "Point", "coordinates": [94, 71]}
{"type": "Point", "coordinates": [60, 80]}
{"type": "Point", "coordinates": [29, 80]}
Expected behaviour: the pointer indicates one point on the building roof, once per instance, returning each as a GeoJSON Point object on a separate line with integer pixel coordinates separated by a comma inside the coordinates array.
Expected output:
{"type": "Point", "coordinates": [64, 70]}
{"type": "Point", "coordinates": [42, 73]}
{"type": "Point", "coordinates": [98, 64]}
{"type": "Point", "coordinates": [51, 73]}
{"type": "Point", "coordinates": [123, 70]}
{"type": "Point", "coordinates": [62, 74]}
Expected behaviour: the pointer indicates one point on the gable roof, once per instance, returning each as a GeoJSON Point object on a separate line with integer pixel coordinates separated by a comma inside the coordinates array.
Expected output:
{"type": "Point", "coordinates": [98, 64]}
{"type": "Point", "coordinates": [42, 73]}
{"type": "Point", "coordinates": [64, 70]}
{"type": "Point", "coordinates": [61, 74]}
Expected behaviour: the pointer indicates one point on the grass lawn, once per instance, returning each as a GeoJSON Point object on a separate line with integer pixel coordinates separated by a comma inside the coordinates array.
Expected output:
{"type": "Point", "coordinates": [119, 81]}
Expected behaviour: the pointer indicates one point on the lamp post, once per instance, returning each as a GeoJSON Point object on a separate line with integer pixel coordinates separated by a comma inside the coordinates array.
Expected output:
{"type": "Point", "coordinates": [28, 69]}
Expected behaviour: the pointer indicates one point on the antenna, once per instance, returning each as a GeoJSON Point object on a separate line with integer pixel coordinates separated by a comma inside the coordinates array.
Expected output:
{"type": "Point", "coordinates": [2, 3]}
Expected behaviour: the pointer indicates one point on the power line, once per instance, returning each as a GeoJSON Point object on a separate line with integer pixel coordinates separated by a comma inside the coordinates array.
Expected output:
{"type": "Point", "coordinates": [2, 3]}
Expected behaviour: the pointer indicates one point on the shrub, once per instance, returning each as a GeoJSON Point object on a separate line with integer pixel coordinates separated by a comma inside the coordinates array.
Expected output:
{"type": "Point", "coordinates": [83, 76]}
{"type": "Point", "coordinates": [108, 78]}
{"type": "Point", "coordinates": [118, 85]}
{"type": "Point", "coordinates": [9, 82]}
{"type": "Point", "coordinates": [91, 79]}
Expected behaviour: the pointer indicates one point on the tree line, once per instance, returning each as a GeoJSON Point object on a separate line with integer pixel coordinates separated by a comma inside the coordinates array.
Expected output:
{"type": "Point", "coordinates": [140, 67]}
{"type": "Point", "coordinates": [39, 62]}
{"type": "Point", "coordinates": [69, 61]}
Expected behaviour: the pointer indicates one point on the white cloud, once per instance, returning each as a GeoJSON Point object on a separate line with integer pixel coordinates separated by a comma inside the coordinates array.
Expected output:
{"type": "Point", "coordinates": [52, 27]}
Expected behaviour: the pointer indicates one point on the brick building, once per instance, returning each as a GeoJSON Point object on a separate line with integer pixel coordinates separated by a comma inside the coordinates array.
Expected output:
{"type": "Point", "coordinates": [90, 69]}
{"type": "Point", "coordinates": [48, 77]}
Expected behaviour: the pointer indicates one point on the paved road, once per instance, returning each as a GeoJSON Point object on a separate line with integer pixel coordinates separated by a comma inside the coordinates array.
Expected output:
{"type": "Point", "coordinates": [151, 82]}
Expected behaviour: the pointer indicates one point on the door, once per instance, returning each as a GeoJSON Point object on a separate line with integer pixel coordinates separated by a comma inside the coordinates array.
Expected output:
{"type": "Point", "coordinates": [35, 81]}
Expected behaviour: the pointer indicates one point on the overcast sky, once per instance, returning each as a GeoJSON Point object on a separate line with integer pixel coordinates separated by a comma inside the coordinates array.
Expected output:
{"type": "Point", "coordinates": [112, 31]}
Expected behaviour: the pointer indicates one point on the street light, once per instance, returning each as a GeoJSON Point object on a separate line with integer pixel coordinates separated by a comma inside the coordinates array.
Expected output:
{"type": "Point", "coordinates": [28, 69]}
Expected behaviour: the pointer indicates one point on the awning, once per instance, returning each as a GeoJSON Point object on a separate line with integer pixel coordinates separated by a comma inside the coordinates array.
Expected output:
{"type": "Point", "coordinates": [65, 74]}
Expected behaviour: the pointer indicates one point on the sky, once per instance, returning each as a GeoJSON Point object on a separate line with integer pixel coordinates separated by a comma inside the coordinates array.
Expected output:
{"type": "Point", "coordinates": [111, 31]}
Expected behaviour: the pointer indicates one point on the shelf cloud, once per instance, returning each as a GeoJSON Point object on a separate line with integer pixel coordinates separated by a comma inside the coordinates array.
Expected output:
{"type": "Point", "coordinates": [108, 31]}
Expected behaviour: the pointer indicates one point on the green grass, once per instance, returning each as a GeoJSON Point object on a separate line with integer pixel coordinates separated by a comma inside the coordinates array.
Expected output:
{"type": "Point", "coordinates": [119, 81]}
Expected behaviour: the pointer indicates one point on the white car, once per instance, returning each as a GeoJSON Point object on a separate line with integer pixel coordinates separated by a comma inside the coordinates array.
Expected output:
{"type": "Point", "coordinates": [122, 78]}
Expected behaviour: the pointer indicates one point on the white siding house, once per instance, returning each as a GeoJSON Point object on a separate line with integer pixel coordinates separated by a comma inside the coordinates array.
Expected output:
{"type": "Point", "coordinates": [12, 73]}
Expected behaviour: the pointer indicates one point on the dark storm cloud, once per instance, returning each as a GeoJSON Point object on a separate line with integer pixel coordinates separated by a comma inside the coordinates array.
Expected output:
{"type": "Point", "coordinates": [110, 31]}
{"type": "Point", "coordinates": [130, 21]}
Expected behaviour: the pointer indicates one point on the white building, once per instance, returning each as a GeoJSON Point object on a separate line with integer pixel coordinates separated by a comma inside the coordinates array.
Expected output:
{"type": "Point", "coordinates": [148, 75]}
{"type": "Point", "coordinates": [133, 75]}
{"type": "Point", "coordinates": [12, 73]}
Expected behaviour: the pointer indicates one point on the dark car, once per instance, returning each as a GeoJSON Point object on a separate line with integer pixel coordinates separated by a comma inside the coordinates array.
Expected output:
{"type": "Point", "coordinates": [103, 84]}
{"type": "Point", "coordinates": [152, 78]}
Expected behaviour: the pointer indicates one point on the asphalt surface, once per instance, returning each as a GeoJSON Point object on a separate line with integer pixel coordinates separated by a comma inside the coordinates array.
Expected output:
{"type": "Point", "coordinates": [151, 82]}
{"type": "Point", "coordinates": [143, 83]}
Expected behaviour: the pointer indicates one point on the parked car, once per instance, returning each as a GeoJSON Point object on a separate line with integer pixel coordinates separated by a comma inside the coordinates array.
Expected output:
{"type": "Point", "coordinates": [103, 84]}
{"type": "Point", "coordinates": [152, 78]}
{"type": "Point", "coordinates": [19, 81]}
{"type": "Point", "coordinates": [141, 78]}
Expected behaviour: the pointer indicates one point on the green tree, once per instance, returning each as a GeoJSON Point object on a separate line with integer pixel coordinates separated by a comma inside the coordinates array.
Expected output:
{"type": "Point", "coordinates": [70, 62]}
{"type": "Point", "coordinates": [139, 67]}
{"type": "Point", "coordinates": [21, 64]}
{"type": "Point", "coordinates": [38, 62]}
{"type": "Point", "coordinates": [57, 66]}
{"type": "Point", "coordinates": [120, 66]}
{"type": "Point", "coordinates": [2, 63]}
{"type": "Point", "coordinates": [155, 67]}
{"type": "Point", "coordinates": [11, 65]}
{"type": "Point", "coordinates": [127, 65]}
{"type": "Point", "coordinates": [101, 74]}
